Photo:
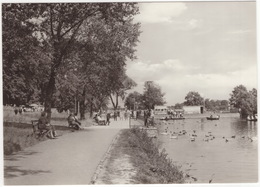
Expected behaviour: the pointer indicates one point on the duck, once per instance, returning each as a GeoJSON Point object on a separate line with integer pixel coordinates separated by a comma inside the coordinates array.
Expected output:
{"type": "Point", "coordinates": [226, 140]}
{"type": "Point", "coordinates": [174, 136]}
{"type": "Point", "coordinates": [233, 136]}
{"type": "Point", "coordinates": [164, 133]}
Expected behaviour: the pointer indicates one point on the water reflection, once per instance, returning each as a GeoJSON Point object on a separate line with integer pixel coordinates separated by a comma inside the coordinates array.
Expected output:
{"type": "Point", "coordinates": [231, 155]}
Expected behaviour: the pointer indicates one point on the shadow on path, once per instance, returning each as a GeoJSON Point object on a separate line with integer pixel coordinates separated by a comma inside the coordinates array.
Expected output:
{"type": "Point", "coordinates": [19, 155]}
{"type": "Point", "coordinates": [14, 171]}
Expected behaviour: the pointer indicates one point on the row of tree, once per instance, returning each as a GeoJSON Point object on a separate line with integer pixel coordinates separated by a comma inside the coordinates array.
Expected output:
{"type": "Point", "coordinates": [152, 95]}
{"type": "Point", "coordinates": [59, 53]}
{"type": "Point", "coordinates": [240, 98]}
{"type": "Point", "coordinates": [243, 100]}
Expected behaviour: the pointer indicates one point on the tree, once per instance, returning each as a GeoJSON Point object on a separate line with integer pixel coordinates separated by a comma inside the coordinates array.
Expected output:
{"type": "Point", "coordinates": [178, 106]}
{"type": "Point", "coordinates": [152, 95]}
{"type": "Point", "coordinates": [193, 99]}
{"type": "Point", "coordinates": [134, 100]}
{"type": "Point", "coordinates": [59, 26]}
{"type": "Point", "coordinates": [25, 59]}
{"type": "Point", "coordinates": [124, 83]}
{"type": "Point", "coordinates": [216, 105]}
{"type": "Point", "coordinates": [244, 101]}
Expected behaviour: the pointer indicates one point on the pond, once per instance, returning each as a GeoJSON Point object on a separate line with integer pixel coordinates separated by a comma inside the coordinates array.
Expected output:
{"type": "Point", "coordinates": [218, 151]}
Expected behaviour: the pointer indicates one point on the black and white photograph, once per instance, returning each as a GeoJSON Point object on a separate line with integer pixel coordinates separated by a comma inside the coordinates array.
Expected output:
{"type": "Point", "coordinates": [129, 93]}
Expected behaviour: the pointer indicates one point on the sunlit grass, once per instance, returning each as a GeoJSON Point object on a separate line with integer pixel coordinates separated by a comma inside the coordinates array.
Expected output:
{"type": "Point", "coordinates": [18, 132]}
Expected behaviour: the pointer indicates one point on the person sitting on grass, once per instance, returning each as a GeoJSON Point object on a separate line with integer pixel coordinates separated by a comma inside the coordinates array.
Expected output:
{"type": "Point", "coordinates": [44, 124]}
{"type": "Point", "coordinates": [73, 121]}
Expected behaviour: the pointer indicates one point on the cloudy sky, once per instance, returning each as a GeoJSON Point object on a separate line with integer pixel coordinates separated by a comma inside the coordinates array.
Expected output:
{"type": "Point", "coordinates": [207, 47]}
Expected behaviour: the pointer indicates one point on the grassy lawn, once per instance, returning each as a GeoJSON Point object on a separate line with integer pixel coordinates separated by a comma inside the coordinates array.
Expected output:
{"type": "Point", "coordinates": [18, 136]}
{"type": "Point", "coordinates": [18, 133]}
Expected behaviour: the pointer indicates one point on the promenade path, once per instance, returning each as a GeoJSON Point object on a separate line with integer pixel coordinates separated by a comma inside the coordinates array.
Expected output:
{"type": "Point", "coordinates": [70, 159]}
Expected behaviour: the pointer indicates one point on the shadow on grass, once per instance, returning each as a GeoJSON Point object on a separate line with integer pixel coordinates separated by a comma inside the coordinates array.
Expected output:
{"type": "Point", "coordinates": [29, 126]}
{"type": "Point", "coordinates": [15, 171]}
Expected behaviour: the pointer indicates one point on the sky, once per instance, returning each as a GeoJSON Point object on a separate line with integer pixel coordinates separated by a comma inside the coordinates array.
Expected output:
{"type": "Point", "coordinates": [207, 47]}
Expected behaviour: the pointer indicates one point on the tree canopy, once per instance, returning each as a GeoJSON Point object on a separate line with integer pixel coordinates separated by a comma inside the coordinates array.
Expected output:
{"type": "Point", "coordinates": [152, 95]}
{"type": "Point", "coordinates": [245, 101]}
{"type": "Point", "coordinates": [193, 99]}
{"type": "Point", "coordinates": [55, 52]}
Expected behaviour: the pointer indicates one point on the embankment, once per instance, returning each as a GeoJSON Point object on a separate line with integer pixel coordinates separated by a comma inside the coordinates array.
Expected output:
{"type": "Point", "coordinates": [135, 159]}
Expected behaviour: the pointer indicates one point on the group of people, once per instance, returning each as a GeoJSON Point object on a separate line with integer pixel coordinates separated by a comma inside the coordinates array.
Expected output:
{"type": "Point", "coordinates": [116, 115]}
{"type": "Point", "coordinates": [44, 124]}
{"type": "Point", "coordinates": [73, 122]}
{"type": "Point", "coordinates": [148, 117]}
{"type": "Point", "coordinates": [121, 114]}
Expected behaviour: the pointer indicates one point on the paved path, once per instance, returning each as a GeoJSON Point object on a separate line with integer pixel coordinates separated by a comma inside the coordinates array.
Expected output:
{"type": "Point", "coordinates": [70, 159]}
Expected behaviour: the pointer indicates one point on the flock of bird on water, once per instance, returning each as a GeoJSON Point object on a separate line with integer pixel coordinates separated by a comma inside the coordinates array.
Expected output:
{"type": "Point", "coordinates": [208, 137]}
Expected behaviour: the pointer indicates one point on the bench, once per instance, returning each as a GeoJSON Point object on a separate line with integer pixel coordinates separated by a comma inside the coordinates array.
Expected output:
{"type": "Point", "coordinates": [38, 131]}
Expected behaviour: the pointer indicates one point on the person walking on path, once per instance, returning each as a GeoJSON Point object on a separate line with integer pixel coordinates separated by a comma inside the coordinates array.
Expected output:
{"type": "Point", "coordinates": [108, 118]}
{"type": "Point", "coordinates": [125, 114]}
{"type": "Point", "coordinates": [152, 116]}
{"type": "Point", "coordinates": [115, 115]}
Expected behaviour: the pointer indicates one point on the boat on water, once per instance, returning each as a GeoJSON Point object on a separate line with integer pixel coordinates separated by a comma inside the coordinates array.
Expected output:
{"type": "Point", "coordinates": [213, 117]}
{"type": "Point", "coordinates": [172, 118]}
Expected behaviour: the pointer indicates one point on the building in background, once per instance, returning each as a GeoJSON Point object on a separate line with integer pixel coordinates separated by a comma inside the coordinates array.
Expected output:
{"type": "Point", "coordinates": [193, 109]}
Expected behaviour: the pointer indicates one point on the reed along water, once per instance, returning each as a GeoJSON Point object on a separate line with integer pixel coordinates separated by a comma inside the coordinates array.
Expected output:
{"type": "Point", "coordinates": [220, 151]}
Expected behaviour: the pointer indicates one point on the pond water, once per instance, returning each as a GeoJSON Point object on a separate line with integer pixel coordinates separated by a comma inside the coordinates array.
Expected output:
{"type": "Point", "coordinates": [223, 151]}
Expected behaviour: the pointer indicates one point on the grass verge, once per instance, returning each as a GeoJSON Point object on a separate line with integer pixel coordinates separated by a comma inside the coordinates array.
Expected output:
{"type": "Point", "coordinates": [151, 165]}
{"type": "Point", "coordinates": [18, 136]}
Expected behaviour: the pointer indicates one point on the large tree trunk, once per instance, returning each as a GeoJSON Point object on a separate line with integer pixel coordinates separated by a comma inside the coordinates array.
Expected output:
{"type": "Point", "coordinates": [115, 104]}
{"type": "Point", "coordinates": [57, 59]}
{"type": "Point", "coordinates": [49, 94]}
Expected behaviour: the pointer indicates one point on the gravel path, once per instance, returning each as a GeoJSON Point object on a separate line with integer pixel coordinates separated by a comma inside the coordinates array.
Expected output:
{"type": "Point", "coordinates": [70, 159]}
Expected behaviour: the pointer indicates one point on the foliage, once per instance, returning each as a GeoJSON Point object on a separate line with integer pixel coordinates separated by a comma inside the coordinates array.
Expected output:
{"type": "Point", "coordinates": [193, 99]}
{"type": "Point", "coordinates": [54, 38]}
{"type": "Point", "coordinates": [216, 105]}
{"type": "Point", "coordinates": [245, 101]}
{"type": "Point", "coordinates": [25, 62]}
{"type": "Point", "coordinates": [134, 100]}
{"type": "Point", "coordinates": [178, 105]}
{"type": "Point", "coordinates": [152, 95]}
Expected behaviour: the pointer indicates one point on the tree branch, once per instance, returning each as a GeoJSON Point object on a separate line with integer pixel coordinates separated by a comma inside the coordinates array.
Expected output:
{"type": "Point", "coordinates": [51, 20]}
